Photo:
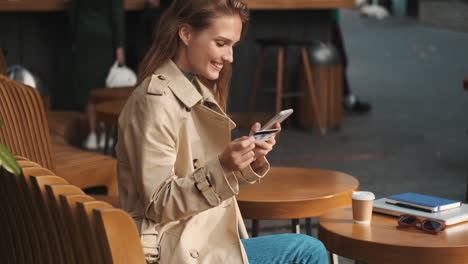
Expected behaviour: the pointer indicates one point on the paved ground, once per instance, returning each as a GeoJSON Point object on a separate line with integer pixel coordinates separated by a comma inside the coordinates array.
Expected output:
{"type": "Point", "coordinates": [415, 138]}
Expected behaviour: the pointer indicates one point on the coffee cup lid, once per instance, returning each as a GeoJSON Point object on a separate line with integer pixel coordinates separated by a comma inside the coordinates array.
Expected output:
{"type": "Point", "coordinates": [361, 195]}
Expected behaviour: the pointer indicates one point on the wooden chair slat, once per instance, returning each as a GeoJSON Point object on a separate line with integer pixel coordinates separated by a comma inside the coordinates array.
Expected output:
{"type": "Point", "coordinates": [70, 212]}
{"type": "Point", "coordinates": [40, 195]}
{"type": "Point", "coordinates": [118, 236]}
{"type": "Point", "coordinates": [86, 219]}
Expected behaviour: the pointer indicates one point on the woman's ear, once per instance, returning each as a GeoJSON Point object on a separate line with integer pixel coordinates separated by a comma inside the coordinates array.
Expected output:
{"type": "Point", "coordinates": [185, 34]}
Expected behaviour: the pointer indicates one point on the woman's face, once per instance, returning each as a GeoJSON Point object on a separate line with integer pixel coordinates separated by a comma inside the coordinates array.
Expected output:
{"type": "Point", "coordinates": [205, 52]}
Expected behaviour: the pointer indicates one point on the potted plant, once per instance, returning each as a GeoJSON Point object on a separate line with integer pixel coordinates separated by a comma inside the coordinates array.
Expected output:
{"type": "Point", "coordinates": [7, 160]}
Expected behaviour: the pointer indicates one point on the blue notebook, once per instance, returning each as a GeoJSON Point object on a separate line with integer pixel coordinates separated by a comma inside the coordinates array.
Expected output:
{"type": "Point", "coordinates": [423, 202]}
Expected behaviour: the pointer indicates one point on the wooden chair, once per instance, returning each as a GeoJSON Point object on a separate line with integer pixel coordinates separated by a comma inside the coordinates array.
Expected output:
{"type": "Point", "coordinates": [71, 227]}
{"type": "Point", "coordinates": [118, 236]}
{"type": "Point", "coordinates": [26, 133]}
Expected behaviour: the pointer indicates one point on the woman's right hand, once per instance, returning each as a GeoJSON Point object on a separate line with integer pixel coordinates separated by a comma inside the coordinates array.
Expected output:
{"type": "Point", "coordinates": [238, 154]}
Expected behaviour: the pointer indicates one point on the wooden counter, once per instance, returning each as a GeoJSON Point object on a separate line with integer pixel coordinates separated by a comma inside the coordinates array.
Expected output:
{"type": "Point", "coordinates": [299, 4]}
{"type": "Point", "coordinates": [59, 5]}
{"type": "Point", "coordinates": [53, 5]}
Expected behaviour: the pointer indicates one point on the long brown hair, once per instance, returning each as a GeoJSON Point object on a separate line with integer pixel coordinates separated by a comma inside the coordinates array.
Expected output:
{"type": "Point", "coordinates": [199, 15]}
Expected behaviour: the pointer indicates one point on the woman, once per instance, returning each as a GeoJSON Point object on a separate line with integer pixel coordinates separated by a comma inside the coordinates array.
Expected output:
{"type": "Point", "coordinates": [98, 36]}
{"type": "Point", "coordinates": [178, 169]}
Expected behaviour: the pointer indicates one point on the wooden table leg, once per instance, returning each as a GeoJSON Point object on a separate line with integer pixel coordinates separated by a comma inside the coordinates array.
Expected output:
{"type": "Point", "coordinates": [255, 225]}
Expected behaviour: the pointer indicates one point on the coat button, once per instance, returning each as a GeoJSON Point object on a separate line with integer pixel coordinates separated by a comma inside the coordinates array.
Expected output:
{"type": "Point", "coordinates": [194, 253]}
{"type": "Point", "coordinates": [196, 164]}
{"type": "Point", "coordinates": [162, 78]}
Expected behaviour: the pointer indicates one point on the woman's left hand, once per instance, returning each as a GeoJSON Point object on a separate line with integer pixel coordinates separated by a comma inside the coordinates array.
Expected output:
{"type": "Point", "coordinates": [263, 148]}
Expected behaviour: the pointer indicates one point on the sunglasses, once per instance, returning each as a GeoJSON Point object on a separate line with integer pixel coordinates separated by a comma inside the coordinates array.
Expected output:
{"type": "Point", "coordinates": [426, 224]}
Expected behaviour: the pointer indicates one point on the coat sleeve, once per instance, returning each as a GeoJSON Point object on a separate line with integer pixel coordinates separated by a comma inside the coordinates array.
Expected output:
{"type": "Point", "coordinates": [118, 22]}
{"type": "Point", "coordinates": [150, 139]}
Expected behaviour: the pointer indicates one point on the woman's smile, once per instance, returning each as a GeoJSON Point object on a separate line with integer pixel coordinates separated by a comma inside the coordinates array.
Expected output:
{"type": "Point", "coordinates": [217, 66]}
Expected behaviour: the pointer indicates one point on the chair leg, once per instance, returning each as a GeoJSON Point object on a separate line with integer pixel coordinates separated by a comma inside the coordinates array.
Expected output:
{"type": "Point", "coordinates": [310, 86]}
{"type": "Point", "coordinates": [255, 226]}
{"type": "Point", "coordinates": [333, 258]}
{"type": "Point", "coordinates": [466, 194]}
{"type": "Point", "coordinates": [295, 226]}
{"type": "Point", "coordinates": [280, 79]}
{"type": "Point", "coordinates": [107, 136]}
{"type": "Point", "coordinates": [257, 80]}
{"type": "Point", "coordinates": [308, 226]}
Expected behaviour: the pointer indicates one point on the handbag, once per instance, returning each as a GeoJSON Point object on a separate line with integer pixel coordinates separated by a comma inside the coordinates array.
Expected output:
{"type": "Point", "coordinates": [120, 76]}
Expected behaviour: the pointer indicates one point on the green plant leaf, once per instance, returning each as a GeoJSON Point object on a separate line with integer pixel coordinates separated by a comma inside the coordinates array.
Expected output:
{"type": "Point", "coordinates": [8, 161]}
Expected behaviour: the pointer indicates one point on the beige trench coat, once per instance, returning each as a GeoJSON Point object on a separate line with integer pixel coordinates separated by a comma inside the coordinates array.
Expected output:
{"type": "Point", "coordinates": [170, 179]}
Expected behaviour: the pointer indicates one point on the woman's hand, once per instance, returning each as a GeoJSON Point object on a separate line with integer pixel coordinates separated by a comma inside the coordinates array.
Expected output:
{"type": "Point", "coordinates": [120, 56]}
{"type": "Point", "coordinates": [263, 148]}
{"type": "Point", "coordinates": [238, 154]}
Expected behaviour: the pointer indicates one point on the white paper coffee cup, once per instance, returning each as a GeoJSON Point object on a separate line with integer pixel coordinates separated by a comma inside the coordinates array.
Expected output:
{"type": "Point", "coordinates": [362, 206]}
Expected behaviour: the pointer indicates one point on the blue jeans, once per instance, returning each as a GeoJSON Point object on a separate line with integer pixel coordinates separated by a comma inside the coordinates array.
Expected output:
{"type": "Point", "coordinates": [285, 249]}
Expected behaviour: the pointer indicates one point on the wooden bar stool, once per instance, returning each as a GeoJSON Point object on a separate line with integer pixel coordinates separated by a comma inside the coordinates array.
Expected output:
{"type": "Point", "coordinates": [281, 73]}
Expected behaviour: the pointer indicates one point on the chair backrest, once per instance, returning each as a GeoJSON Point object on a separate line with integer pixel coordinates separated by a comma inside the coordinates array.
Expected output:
{"type": "Point", "coordinates": [39, 227]}
{"type": "Point", "coordinates": [20, 218]}
{"type": "Point", "coordinates": [25, 131]}
{"type": "Point", "coordinates": [44, 219]}
{"type": "Point", "coordinates": [118, 236]}
{"type": "Point", "coordinates": [3, 65]}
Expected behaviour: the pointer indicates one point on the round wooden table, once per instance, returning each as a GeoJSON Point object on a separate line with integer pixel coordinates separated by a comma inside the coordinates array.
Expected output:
{"type": "Point", "coordinates": [293, 193]}
{"type": "Point", "coordinates": [382, 242]}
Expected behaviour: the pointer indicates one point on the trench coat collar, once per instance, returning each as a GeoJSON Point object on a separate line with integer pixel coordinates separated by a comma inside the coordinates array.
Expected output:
{"type": "Point", "coordinates": [179, 84]}
{"type": "Point", "coordinates": [187, 91]}
{"type": "Point", "coordinates": [209, 97]}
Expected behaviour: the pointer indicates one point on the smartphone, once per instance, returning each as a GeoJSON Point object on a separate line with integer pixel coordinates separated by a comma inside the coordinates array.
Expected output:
{"type": "Point", "coordinates": [264, 135]}
{"type": "Point", "coordinates": [280, 117]}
